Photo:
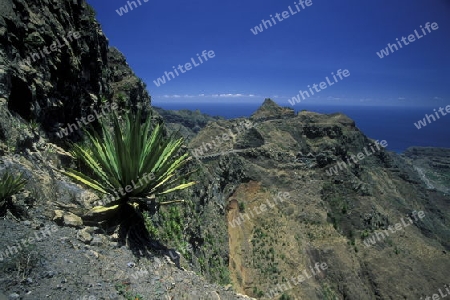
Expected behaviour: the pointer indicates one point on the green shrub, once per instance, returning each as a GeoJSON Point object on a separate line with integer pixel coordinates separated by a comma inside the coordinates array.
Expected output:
{"type": "Point", "coordinates": [124, 290]}
{"type": "Point", "coordinates": [91, 12]}
{"type": "Point", "coordinates": [34, 126]}
{"type": "Point", "coordinates": [328, 293]}
{"type": "Point", "coordinates": [167, 227]}
{"type": "Point", "coordinates": [365, 234]}
{"type": "Point", "coordinates": [285, 297]}
{"type": "Point", "coordinates": [241, 207]}
{"type": "Point", "coordinates": [123, 158]}
{"type": "Point", "coordinates": [10, 185]}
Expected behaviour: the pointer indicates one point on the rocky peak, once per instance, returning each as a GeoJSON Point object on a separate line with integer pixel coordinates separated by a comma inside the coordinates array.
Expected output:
{"type": "Point", "coordinates": [269, 110]}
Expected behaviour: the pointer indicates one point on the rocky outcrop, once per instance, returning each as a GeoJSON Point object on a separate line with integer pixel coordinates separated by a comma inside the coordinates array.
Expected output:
{"type": "Point", "coordinates": [188, 123]}
{"type": "Point", "coordinates": [56, 66]}
{"type": "Point", "coordinates": [269, 109]}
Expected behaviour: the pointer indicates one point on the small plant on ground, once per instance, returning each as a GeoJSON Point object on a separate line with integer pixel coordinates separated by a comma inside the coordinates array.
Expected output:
{"type": "Point", "coordinates": [365, 234]}
{"type": "Point", "coordinates": [21, 265]}
{"type": "Point", "coordinates": [124, 290]}
{"type": "Point", "coordinates": [10, 185]}
{"type": "Point", "coordinates": [34, 126]}
{"type": "Point", "coordinates": [328, 293]}
{"type": "Point", "coordinates": [122, 98]}
{"type": "Point", "coordinates": [26, 261]}
{"type": "Point", "coordinates": [285, 297]}
{"type": "Point", "coordinates": [257, 293]}
{"type": "Point", "coordinates": [241, 207]}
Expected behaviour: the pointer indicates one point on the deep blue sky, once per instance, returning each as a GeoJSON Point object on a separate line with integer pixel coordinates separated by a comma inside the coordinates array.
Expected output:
{"type": "Point", "coordinates": [297, 52]}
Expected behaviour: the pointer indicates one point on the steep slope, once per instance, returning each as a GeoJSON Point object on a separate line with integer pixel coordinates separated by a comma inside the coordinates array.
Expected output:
{"type": "Point", "coordinates": [187, 122]}
{"type": "Point", "coordinates": [433, 165]}
{"type": "Point", "coordinates": [362, 222]}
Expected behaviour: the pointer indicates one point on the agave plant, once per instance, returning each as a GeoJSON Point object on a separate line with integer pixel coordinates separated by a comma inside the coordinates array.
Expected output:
{"type": "Point", "coordinates": [10, 185]}
{"type": "Point", "coordinates": [121, 161]}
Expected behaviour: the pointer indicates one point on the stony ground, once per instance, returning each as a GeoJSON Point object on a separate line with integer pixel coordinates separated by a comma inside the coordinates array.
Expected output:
{"type": "Point", "coordinates": [72, 263]}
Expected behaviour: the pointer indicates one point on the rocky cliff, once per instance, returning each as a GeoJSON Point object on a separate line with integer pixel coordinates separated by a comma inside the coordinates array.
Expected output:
{"type": "Point", "coordinates": [57, 67]}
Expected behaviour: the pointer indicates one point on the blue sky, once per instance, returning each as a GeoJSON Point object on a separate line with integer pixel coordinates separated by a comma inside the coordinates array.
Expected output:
{"type": "Point", "coordinates": [287, 57]}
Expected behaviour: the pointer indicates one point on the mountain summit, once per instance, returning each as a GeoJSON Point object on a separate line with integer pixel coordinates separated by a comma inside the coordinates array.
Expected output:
{"type": "Point", "coordinates": [270, 109]}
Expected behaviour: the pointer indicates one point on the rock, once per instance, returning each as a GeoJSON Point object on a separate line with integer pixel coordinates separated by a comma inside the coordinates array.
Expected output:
{"type": "Point", "coordinates": [91, 230]}
{"type": "Point", "coordinates": [14, 296]}
{"type": "Point", "coordinates": [84, 236]}
{"type": "Point", "coordinates": [72, 220]}
{"type": "Point", "coordinates": [93, 253]}
{"type": "Point", "coordinates": [215, 296]}
{"type": "Point", "coordinates": [96, 241]}
{"type": "Point", "coordinates": [48, 274]}
{"type": "Point", "coordinates": [88, 198]}
{"type": "Point", "coordinates": [115, 237]}
{"type": "Point", "coordinates": [58, 218]}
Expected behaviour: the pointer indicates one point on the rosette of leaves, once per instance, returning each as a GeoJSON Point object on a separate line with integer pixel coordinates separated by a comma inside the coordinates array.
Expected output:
{"type": "Point", "coordinates": [117, 157]}
{"type": "Point", "coordinates": [10, 185]}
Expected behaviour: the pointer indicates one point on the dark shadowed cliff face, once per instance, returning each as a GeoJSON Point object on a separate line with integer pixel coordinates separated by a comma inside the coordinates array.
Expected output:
{"type": "Point", "coordinates": [56, 65]}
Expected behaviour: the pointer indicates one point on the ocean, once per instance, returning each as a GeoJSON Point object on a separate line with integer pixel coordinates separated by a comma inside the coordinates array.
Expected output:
{"type": "Point", "coordinates": [391, 123]}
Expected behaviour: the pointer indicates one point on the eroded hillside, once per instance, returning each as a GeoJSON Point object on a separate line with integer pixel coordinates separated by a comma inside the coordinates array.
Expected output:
{"type": "Point", "coordinates": [345, 220]}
